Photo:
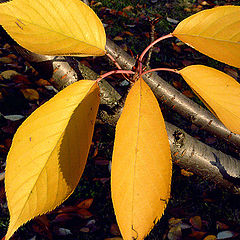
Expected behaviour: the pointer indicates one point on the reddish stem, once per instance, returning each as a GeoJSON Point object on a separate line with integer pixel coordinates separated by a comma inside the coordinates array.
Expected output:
{"type": "Point", "coordinates": [147, 48]}
{"type": "Point", "coordinates": [117, 65]}
{"type": "Point", "coordinates": [112, 72]}
{"type": "Point", "coordinates": [161, 69]}
{"type": "Point", "coordinates": [114, 61]}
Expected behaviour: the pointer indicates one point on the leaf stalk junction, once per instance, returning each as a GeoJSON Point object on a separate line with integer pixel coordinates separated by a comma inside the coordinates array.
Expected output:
{"type": "Point", "coordinates": [139, 70]}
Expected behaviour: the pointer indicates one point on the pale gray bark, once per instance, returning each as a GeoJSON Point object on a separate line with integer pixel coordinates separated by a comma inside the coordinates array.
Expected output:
{"type": "Point", "coordinates": [197, 157]}
{"type": "Point", "coordinates": [86, 2]}
{"type": "Point", "coordinates": [186, 151]}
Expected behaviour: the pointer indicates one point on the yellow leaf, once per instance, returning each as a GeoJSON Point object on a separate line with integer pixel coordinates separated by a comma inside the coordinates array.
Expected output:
{"type": "Point", "coordinates": [54, 27]}
{"type": "Point", "coordinates": [219, 91]}
{"type": "Point", "coordinates": [214, 32]}
{"type": "Point", "coordinates": [141, 164]}
{"type": "Point", "coordinates": [49, 153]}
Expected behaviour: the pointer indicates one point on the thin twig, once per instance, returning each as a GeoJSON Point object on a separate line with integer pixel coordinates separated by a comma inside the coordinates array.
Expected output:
{"type": "Point", "coordinates": [117, 65]}
{"type": "Point", "coordinates": [113, 60]}
{"type": "Point", "coordinates": [149, 47]}
{"type": "Point", "coordinates": [114, 72]}
{"type": "Point", "coordinates": [160, 69]}
{"type": "Point", "coordinates": [152, 33]}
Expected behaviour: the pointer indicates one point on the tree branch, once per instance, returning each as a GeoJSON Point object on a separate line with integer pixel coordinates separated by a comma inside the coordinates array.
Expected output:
{"type": "Point", "coordinates": [199, 158]}
{"type": "Point", "coordinates": [174, 99]}
{"type": "Point", "coordinates": [186, 151]}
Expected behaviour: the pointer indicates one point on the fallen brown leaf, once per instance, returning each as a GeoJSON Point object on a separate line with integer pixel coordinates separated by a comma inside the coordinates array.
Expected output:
{"type": "Point", "coordinates": [118, 38]}
{"type": "Point", "coordinates": [42, 82]}
{"type": "Point", "coordinates": [197, 234]}
{"type": "Point", "coordinates": [30, 94]}
{"type": "Point", "coordinates": [196, 222]}
{"type": "Point", "coordinates": [86, 203]}
{"type": "Point", "coordinates": [84, 213]}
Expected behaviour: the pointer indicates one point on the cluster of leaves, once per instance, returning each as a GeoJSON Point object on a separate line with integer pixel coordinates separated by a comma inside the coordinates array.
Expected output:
{"type": "Point", "coordinates": [50, 149]}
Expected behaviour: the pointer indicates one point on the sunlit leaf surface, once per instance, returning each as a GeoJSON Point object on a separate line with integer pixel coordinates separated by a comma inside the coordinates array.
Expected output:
{"type": "Point", "coordinates": [214, 32]}
{"type": "Point", "coordinates": [219, 91]}
{"type": "Point", "coordinates": [54, 27]}
{"type": "Point", "coordinates": [49, 153]}
{"type": "Point", "coordinates": [141, 164]}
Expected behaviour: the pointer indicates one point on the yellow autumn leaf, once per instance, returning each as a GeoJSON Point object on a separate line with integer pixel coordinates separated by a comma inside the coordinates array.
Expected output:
{"type": "Point", "coordinates": [214, 32]}
{"type": "Point", "coordinates": [49, 152]}
{"type": "Point", "coordinates": [54, 27]}
{"type": "Point", "coordinates": [219, 91]}
{"type": "Point", "coordinates": [141, 164]}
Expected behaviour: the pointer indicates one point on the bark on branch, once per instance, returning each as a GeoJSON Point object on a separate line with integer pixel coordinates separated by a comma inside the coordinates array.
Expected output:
{"type": "Point", "coordinates": [187, 151]}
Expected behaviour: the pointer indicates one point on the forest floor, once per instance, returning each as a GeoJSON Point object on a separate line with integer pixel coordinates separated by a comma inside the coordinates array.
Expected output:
{"type": "Point", "coordinates": [197, 209]}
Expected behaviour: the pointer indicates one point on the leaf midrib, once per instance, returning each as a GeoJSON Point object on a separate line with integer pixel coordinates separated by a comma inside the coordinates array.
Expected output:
{"type": "Point", "coordinates": [209, 38]}
{"type": "Point", "coordinates": [50, 30]}
{"type": "Point", "coordinates": [212, 99]}
{"type": "Point", "coordinates": [40, 173]}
